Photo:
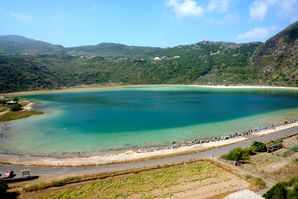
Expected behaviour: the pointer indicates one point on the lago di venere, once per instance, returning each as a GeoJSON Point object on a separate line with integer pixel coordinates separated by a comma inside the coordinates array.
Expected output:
{"type": "Point", "coordinates": [101, 120]}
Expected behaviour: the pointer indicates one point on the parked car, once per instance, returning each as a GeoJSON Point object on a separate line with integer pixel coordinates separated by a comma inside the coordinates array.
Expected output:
{"type": "Point", "coordinates": [8, 174]}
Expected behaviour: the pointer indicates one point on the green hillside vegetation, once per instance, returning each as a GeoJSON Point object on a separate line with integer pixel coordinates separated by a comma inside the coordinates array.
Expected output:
{"type": "Point", "coordinates": [277, 58]}
{"type": "Point", "coordinates": [27, 64]}
{"type": "Point", "coordinates": [31, 72]}
{"type": "Point", "coordinates": [14, 44]}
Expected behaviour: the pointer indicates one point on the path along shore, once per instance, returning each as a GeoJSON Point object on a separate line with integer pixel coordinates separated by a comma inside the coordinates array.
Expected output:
{"type": "Point", "coordinates": [130, 156]}
{"type": "Point", "coordinates": [215, 152]}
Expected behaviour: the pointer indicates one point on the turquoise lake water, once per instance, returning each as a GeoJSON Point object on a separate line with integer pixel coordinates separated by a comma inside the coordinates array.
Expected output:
{"type": "Point", "coordinates": [101, 120]}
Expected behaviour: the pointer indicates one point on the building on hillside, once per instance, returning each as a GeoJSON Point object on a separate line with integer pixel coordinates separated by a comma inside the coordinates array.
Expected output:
{"type": "Point", "coordinates": [157, 59]}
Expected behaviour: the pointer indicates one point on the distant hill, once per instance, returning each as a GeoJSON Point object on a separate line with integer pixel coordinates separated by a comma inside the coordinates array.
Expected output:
{"type": "Point", "coordinates": [113, 50]}
{"type": "Point", "coordinates": [27, 64]}
{"type": "Point", "coordinates": [14, 44]}
{"type": "Point", "coordinates": [277, 58]}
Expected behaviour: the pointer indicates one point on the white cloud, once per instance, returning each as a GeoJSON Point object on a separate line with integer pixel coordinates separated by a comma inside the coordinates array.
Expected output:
{"type": "Point", "coordinates": [259, 9]}
{"type": "Point", "coordinates": [289, 9]}
{"type": "Point", "coordinates": [184, 8]}
{"type": "Point", "coordinates": [227, 19]}
{"type": "Point", "coordinates": [259, 33]}
{"type": "Point", "coordinates": [20, 17]}
{"type": "Point", "coordinates": [221, 5]}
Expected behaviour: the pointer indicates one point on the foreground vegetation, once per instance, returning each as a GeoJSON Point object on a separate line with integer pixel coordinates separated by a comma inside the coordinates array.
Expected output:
{"type": "Point", "coordinates": [199, 177]}
{"type": "Point", "coordinates": [284, 190]}
{"type": "Point", "coordinates": [243, 154]}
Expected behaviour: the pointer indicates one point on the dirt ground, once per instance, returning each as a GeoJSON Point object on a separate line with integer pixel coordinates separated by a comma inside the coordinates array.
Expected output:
{"type": "Point", "coordinates": [275, 166]}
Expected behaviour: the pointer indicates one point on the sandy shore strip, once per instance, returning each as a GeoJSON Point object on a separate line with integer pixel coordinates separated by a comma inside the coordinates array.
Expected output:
{"type": "Point", "coordinates": [28, 107]}
{"type": "Point", "coordinates": [131, 155]}
{"type": "Point", "coordinates": [118, 86]}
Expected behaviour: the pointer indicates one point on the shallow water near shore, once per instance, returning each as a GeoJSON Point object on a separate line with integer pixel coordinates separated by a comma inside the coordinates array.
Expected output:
{"type": "Point", "coordinates": [106, 119]}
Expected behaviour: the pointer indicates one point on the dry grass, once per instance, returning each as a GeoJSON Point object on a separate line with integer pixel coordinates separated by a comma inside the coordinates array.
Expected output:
{"type": "Point", "coordinates": [199, 178]}
{"type": "Point", "coordinates": [17, 115]}
{"type": "Point", "coordinates": [287, 171]}
{"type": "Point", "coordinates": [3, 108]}
{"type": "Point", "coordinates": [256, 182]}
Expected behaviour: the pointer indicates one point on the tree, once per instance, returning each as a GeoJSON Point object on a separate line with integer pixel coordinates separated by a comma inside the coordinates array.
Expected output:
{"type": "Point", "coordinates": [238, 154]}
{"type": "Point", "coordinates": [278, 191]}
{"type": "Point", "coordinates": [258, 147]}
{"type": "Point", "coordinates": [15, 99]}
{"type": "Point", "coordinates": [16, 107]}
{"type": "Point", "coordinates": [3, 187]}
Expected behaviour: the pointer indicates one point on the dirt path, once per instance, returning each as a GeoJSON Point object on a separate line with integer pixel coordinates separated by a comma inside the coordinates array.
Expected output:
{"type": "Point", "coordinates": [3, 112]}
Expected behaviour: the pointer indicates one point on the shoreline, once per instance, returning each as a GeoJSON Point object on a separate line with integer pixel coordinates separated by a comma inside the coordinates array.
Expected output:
{"type": "Point", "coordinates": [133, 155]}
{"type": "Point", "coordinates": [117, 86]}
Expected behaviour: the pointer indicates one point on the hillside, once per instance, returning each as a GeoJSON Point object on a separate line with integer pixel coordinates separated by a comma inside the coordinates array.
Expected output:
{"type": "Point", "coordinates": [14, 44]}
{"type": "Point", "coordinates": [50, 66]}
{"type": "Point", "coordinates": [277, 58]}
{"type": "Point", "coordinates": [200, 63]}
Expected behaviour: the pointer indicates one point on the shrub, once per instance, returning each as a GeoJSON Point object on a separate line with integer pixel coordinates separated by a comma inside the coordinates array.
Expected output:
{"type": "Point", "coordinates": [16, 107]}
{"type": "Point", "coordinates": [258, 147]}
{"type": "Point", "coordinates": [3, 101]}
{"type": "Point", "coordinates": [294, 193]}
{"type": "Point", "coordinates": [3, 187]}
{"type": "Point", "coordinates": [278, 191]}
{"type": "Point", "coordinates": [15, 99]}
{"type": "Point", "coordinates": [238, 154]}
{"type": "Point", "coordinates": [257, 182]}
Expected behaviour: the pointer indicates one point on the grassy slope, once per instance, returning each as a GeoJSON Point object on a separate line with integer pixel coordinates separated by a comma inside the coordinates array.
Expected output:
{"type": "Point", "coordinates": [17, 115]}
{"type": "Point", "coordinates": [3, 108]}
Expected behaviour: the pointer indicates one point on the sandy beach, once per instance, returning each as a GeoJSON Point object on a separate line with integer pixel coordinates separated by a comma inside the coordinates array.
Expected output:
{"type": "Point", "coordinates": [117, 86]}
{"type": "Point", "coordinates": [132, 155]}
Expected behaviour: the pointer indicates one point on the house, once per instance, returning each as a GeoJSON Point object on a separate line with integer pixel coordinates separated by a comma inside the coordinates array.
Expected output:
{"type": "Point", "coordinates": [10, 102]}
{"type": "Point", "coordinates": [274, 147]}
{"type": "Point", "coordinates": [157, 59]}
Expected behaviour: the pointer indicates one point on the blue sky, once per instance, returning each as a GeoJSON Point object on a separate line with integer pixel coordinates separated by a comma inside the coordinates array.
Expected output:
{"type": "Point", "coordinates": [162, 23]}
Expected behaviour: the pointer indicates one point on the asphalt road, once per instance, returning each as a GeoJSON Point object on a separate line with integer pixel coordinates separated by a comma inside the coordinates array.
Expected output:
{"type": "Point", "coordinates": [148, 163]}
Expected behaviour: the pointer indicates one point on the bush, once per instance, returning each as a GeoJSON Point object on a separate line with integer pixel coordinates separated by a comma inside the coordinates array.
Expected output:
{"type": "Point", "coordinates": [278, 191]}
{"type": "Point", "coordinates": [3, 187]}
{"type": "Point", "coordinates": [294, 193]}
{"type": "Point", "coordinates": [16, 107]}
{"type": "Point", "coordinates": [3, 101]}
{"type": "Point", "coordinates": [258, 147]}
{"type": "Point", "coordinates": [15, 99]}
{"type": "Point", "coordinates": [238, 154]}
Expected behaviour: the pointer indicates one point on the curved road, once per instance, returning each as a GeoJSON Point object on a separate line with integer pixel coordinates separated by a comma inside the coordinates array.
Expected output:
{"type": "Point", "coordinates": [148, 163]}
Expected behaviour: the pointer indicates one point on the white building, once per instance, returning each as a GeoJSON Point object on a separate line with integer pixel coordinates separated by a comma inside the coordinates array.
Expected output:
{"type": "Point", "coordinates": [244, 194]}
